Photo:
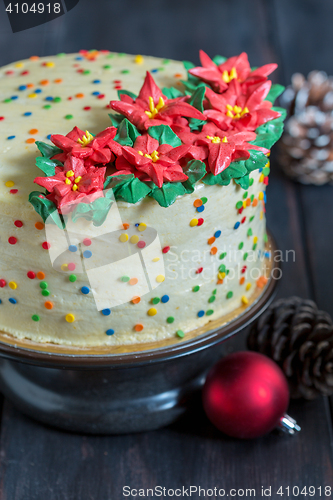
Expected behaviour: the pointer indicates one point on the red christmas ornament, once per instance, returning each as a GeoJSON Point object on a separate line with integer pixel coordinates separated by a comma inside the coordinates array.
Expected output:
{"type": "Point", "coordinates": [245, 395]}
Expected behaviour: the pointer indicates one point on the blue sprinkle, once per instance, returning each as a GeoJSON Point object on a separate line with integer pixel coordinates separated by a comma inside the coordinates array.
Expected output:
{"type": "Point", "coordinates": [22, 87]}
{"type": "Point", "coordinates": [201, 313]}
{"type": "Point", "coordinates": [97, 81]}
{"type": "Point", "coordinates": [267, 255]}
{"type": "Point", "coordinates": [154, 70]}
{"type": "Point", "coordinates": [85, 290]}
{"type": "Point", "coordinates": [28, 113]}
{"type": "Point", "coordinates": [11, 137]}
{"type": "Point", "coordinates": [217, 234]}
{"type": "Point", "coordinates": [0, 301]}
{"type": "Point", "coordinates": [265, 197]}
{"type": "Point", "coordinates": [95, 93]}
{"type": "Point", "coordinates": [260, 169]}
{"type": "Point", "coordinates": [49, 98]}
{"type": "Point", "coordinates": [106, 312]}
{"type": "Point", "coordinates": [137, 224]}
{"type": "Point", "coordinates": [201, 209]}
{"type": "Point", "coordinates": [12, 300]}
{"type": "Point", "coordinates": [38, 91]}
{"type": "Point", "coordinates": [109, 332]}
{"type": "Point", "coordinates": [72, 248]}
{"type": "Point", "coordinates": [79, 58]}
{"type": "Point", "coordinates": [48, 137]}
{"type": "Point", "coordinates": [165, 299]}
{"type": "Point", "coordinates": [87, 254]}
{"type": "Point", "coordinates": [13, 97]}
{"type": "Point", "coordinates": [236, 226]}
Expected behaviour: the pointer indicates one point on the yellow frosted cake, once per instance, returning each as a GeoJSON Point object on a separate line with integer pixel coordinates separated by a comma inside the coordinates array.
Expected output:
{"type": "Point", "coordinates": [141, 215]}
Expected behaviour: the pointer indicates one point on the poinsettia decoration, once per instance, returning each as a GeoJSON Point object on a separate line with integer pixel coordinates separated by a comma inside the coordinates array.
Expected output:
{"type": "Point", "coordinates": [218, 128]}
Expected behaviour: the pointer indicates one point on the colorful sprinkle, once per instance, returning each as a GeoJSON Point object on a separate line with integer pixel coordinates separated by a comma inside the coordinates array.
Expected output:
{"type": "Point", "coordinates": [155, 300]}
{"type": "Point", "coordinates": [39, 226]}
{"type": "Point", "coordinates": [166, 249]}
{"type": "Point", "coordinates": [136, 300]}
{"type": "Point", "coordinates": [245, 300]}
{"type": "Point", "coordinates": [72, 278]}
{"type": "Point", "coordinates": [123, 237]}
{"type": "Point", "coordinates": [138, 327]}
{"type": "Point", "coordinates": [209, 312]}
{"type": "Point", "coordinates": [106, 312]}
{"type": "Point", "coordinates": [165, 299]}
{"type": "Point", "coordinates": [152, 311]}
{"type": "Point", "coordinates": [133, 281]}
{"type": "Point", "coordinates": [180, 333]}
{"type": "Point", "coordinates": [12, 285]}
{"type": "Point", "coordinates": [86, 254]}
{"type": "Point", "coordinates": [134, 239]}
{"type": "Point", "coordinates": [160, 278]}
{"type": "Point", "coordinates": [12, 300]}
{"type": "Point", "coordinates": [40, 275]}
{"type": "Point", "coordinates": [194, 222]}
{"type": "Point", "coordinates": [170, 319]}
{"type": "Point", "coordinates": [70, 318]}
{"type": "Point", "coordinates": [46, 245]}
{"type": "Point", "coordinates": [125, 279]}
{"type": "Point", "coordinates": [35, 317]}
{"type": "Point", "coordinates": [141, 244]}
{"type": "Point", "coordinates": [142, 226]}
{"type": "Point", "coordinates": [86, 242]}
{"type": "Point", "coordinates": [48, 305]}
{"type": "Point", "coordinates": [12, 240]}
{"type": "Point", "coordinates": [85, 290]}
{"type": "Point", "coordinates": [201, 313]}
{"type": "Point", "coordinates": [229, 294]}
{"type": "Point", "coordinates": [196, 288]}
{"type": "Point", "coordinates": [31, 275]}
{"type": "Point", "coordinates": [72, 248]}
{"type": "Point", "coordinates": [2, 283]}
{"type": "Point", "coordinates": [18, 223]}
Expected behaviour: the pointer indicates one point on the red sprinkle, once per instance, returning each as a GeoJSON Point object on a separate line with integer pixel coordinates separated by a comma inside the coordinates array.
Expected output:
{"type": "Point", "coordinates": [244, 269]}
{"type": "Point", "coordinates": [2, 118]}
{"type": "Point", "coordinates": [13, 191]}
{"type": "Point", "coordinates": [18, 223]}
{"type": "Point", "coordinates": [25, 72]}
{"type": "Point", "coordinates": [10, 72]}
{"type": "Point", "coordinates": [69, 98]}
{"type": "Point", "coordinates": [31, 275]}
{"type": "Point", "coordinates": [46, 245]}
{"type": "Point", "coordinates": [71, 266]}
{"type": "Point", "coordinates": [86, 242]}
{"type": "Point", "coordinates": [101, 96]}
{"type": "Point", "coordinates": [141, 244]}
{"type": "Point", "coordinates": [87, 108]}
{"type": "Point", "coordinates": [240, 210]}
{"type": "Point", "coordinates": [116, 81]}
{"type": "Point", "coordinates": [166, 249]}
{"type": "Point", "coordinates": [243, 220]}
{"type": "Point", "coordinates": [266, 181]}
{"type": "Point", "coordinates": [200, 222]}
{"type": "Point", "coordinates": [2, 283]}
{"type": "Point", "coordinates": [198, 271]}
{"type": "Point", "coordinates": [12, 240]}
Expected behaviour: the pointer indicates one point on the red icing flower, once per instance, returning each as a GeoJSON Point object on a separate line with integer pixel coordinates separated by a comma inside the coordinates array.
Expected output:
{"type": "Point", "coordinates": [151, 107]}
{"type": "Point", "coordinates": [85, 146]}
{"type": "Point", "coordinates": [73, 182]}
{"type": "Point", "coordinates": [218, 147]}
{"type": "Point", "coordinates": [149, 161]}
{"type": "Point", "coordinates": [235, 68]}
{"type": "Point", "coordinates": [235, 110]}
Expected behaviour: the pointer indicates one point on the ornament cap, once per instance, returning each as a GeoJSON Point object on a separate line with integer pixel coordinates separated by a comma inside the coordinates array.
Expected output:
{"type": "Point", "coordinates": [288, 425]}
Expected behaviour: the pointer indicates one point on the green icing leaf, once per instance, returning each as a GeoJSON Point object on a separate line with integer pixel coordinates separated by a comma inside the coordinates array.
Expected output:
{"type": "Point", "coordinates": [195, 170]}
{"type": "Point", "coordinates": [196, 124]}
{"type": "Point", "coordinates": [116, 119]}
{"type": "Point", "coordinates": [47, 165]}
{"type": "Point", "coordinates": [244, 182]}
{"type": "Point", "coordinates": [172, 92]}
{"type": "Point", "coordinates": [127, 133]}
{"type": "Point", "coordinates": [219, 60]}
{"type": "Point", "coordinates": [115, 181]}
{"type": "Point", "coordinates": [47, 150]}
{"type": "Point", "coordinates": [235, 170]}
{"type": "Point", "coordinates": [96, 211]}
{"type": "Point", "coordinates": [167, 194]}
{"type": "Point", "coordinates": [274, 92]}
{"type": "Point", "coordinates": [270, 132]}
{"type": "Point", "coordinates": [127, 188]}
{"type": "Point", "coordinates": [164, 135]}
{"type": "Point", "coordinates": [45, 208]}
{"type": "Point", "coordinates": [257, 160]}
{"type": "Point", "coordinates": [197, 98]}
{"type": "Point", "coordinates": [126, 92]}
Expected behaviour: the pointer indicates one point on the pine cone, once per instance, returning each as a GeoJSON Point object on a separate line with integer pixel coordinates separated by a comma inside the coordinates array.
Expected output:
{"type": "Point", "coordinates": [299, 338]}
{"type": "Point", "coordinates": [306, 147]}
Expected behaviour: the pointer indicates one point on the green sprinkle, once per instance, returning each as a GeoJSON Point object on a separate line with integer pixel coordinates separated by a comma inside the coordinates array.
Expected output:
{"type": "Point", "coordinates": [170, 319]}
{"type": "Point", "coordinates": [124, 279]}
{"type": "Point", "coordinates": [223, 255]}
{"type": "Point", "coordinates": [161, 69]}
{"type": "Point", "coordinates": [240, 246]}
{"type": "Point", "coordinates": [155, 300]}
{"type": "Point", "coordinates": [214, 292]}
{"type": "Point", "coordinates": [69, 117]}
{"type": "Point", "coordinates": [251, 218]}
{"type": "Point", "coordinates": [35, 317]}
{"type": "Point", "coordinates": [229, 295]}
{"type": "Point", "coordinates": [45, 293]}
{"type": "Point", "coordinates": [61, 54]}
{"type": "Point", "coordinates": [251, 181]}
{"type": "Point", "coordinates": [204, 199]}
{"type": "Point", "coordinates": [47, 106]}
{"type": "Point", "coordinates": [266, 171]}
{"type": "Point", "coordinates": [245, 195]}
{"type": "Point", "coordinates": [228, 271]}
{"type": "Point", "coordinates": [254, 246]}
{"type": "Point", "coordinates": [249, 232]}
{"type": "Point", "coordinates": [245, 256]}
{"type": "Point", "coordinates": [7, 100]}
{"type": "Point", "coordinates": [110, 56]}
{"type": "Point", "coordinates": [86, 72]}
{"type": "Point", "coordinates": [165, 61]}
{"type": "Point", "coordinates": [239, 205]}
{"type": "Point", "coordinates": [209, 312]}
{"type": "Point", "coordinates": [43, 285]}
{"type": "Point", "coordinates": [72, 278]}
{"type": "Point", "coordinates": [265, 238]}
{"type": "Point", "coordinates": [196, 288]}
{"type": "Point", "coordinates": [107, 66]}
{"type": "Point", "coordinates": [211, 299]}
{"type": "Point", "coordinates": [125, 71]}
{"type": "Point", "coordinates": [222, 268]}
{"type": "Point", "coordinates": [57, 99]}
{"type": "Point", "coordinates": [252, 198]}
{"type": "Point", "coordinates": [121, 54]}
{"type": "Point", "coordinates": [180, 333]}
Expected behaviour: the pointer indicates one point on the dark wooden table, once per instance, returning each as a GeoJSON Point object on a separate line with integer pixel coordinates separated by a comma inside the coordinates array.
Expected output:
{"type": "Point", "coordinates": [39, 463]}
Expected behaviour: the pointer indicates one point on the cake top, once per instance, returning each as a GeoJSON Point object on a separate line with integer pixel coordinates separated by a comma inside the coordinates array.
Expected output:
{"type": "Point", "coordinates": [168, 129]}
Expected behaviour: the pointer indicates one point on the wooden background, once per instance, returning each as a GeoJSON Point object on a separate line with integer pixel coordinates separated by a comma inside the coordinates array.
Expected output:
{"type": "Point", "coordinates": [38, 463]}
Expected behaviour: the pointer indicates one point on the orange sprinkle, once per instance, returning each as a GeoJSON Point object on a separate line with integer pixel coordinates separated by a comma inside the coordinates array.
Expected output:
{"type": "Point", "coordinates": [261, 282]}
{"type": "Point", "coordinates": [79, 96]}
{"type": "Point", "coordinates": [58, 80]}
{"type": "Point", "coordinates": [40, 275]}
{"type": "Point", "coordinates": [48, 305]}
{"type": "Point", "coordinates": [44, 82]}
{"type": "Point", "coordinates": [133, 281]}
{"type": "Point", "coordinates": [248, 202]}
{"type": "Point", "coordinates": [178, 75]}
{"type": "Point", "coordinates": [255, 202]}
{"type": "Point", "coordinates": [138, 327]}
{"type": "Point", "coordinates": [34, 58]}
{"type": "Point", "coordinates": [30, 85]}
{"type": "Point", "coordinates": [31, 140]}
{"type": "Point", "coordinates": [213, 250]}
{"type": "Point", "coordinates": [197, 203]}
{"type": "Point", "coordinates": [211, 240]}
{"type": "Point", "coordinates": [241, 281]}
{"type": "Point", "coordinates": [33, 131]}
{"type": "Point", "coordinates": [136, 300]}
{"type": "Point", "coordinates": [220, 282]}
{"type": "Point", "coordinates": [126, 225]}
{"type": "Point", "coordinates": [39, 226]}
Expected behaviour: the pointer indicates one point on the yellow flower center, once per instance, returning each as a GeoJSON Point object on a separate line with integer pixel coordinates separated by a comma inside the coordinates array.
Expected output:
{"type": "Point", "coordinates": [154, 110]}
{"type": "Point", "coordinates": [153, 157]}
{"type": "Point", "coordinates": [68, 181]}
{"type": "Point", "coordinates": [85, 139]}
{"type": "Point", "coordinates": [216, 139]}
{"type": "Point", "coordinates": [227, 76]}
{"type": "Point", "coordinates": [236, 112]}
